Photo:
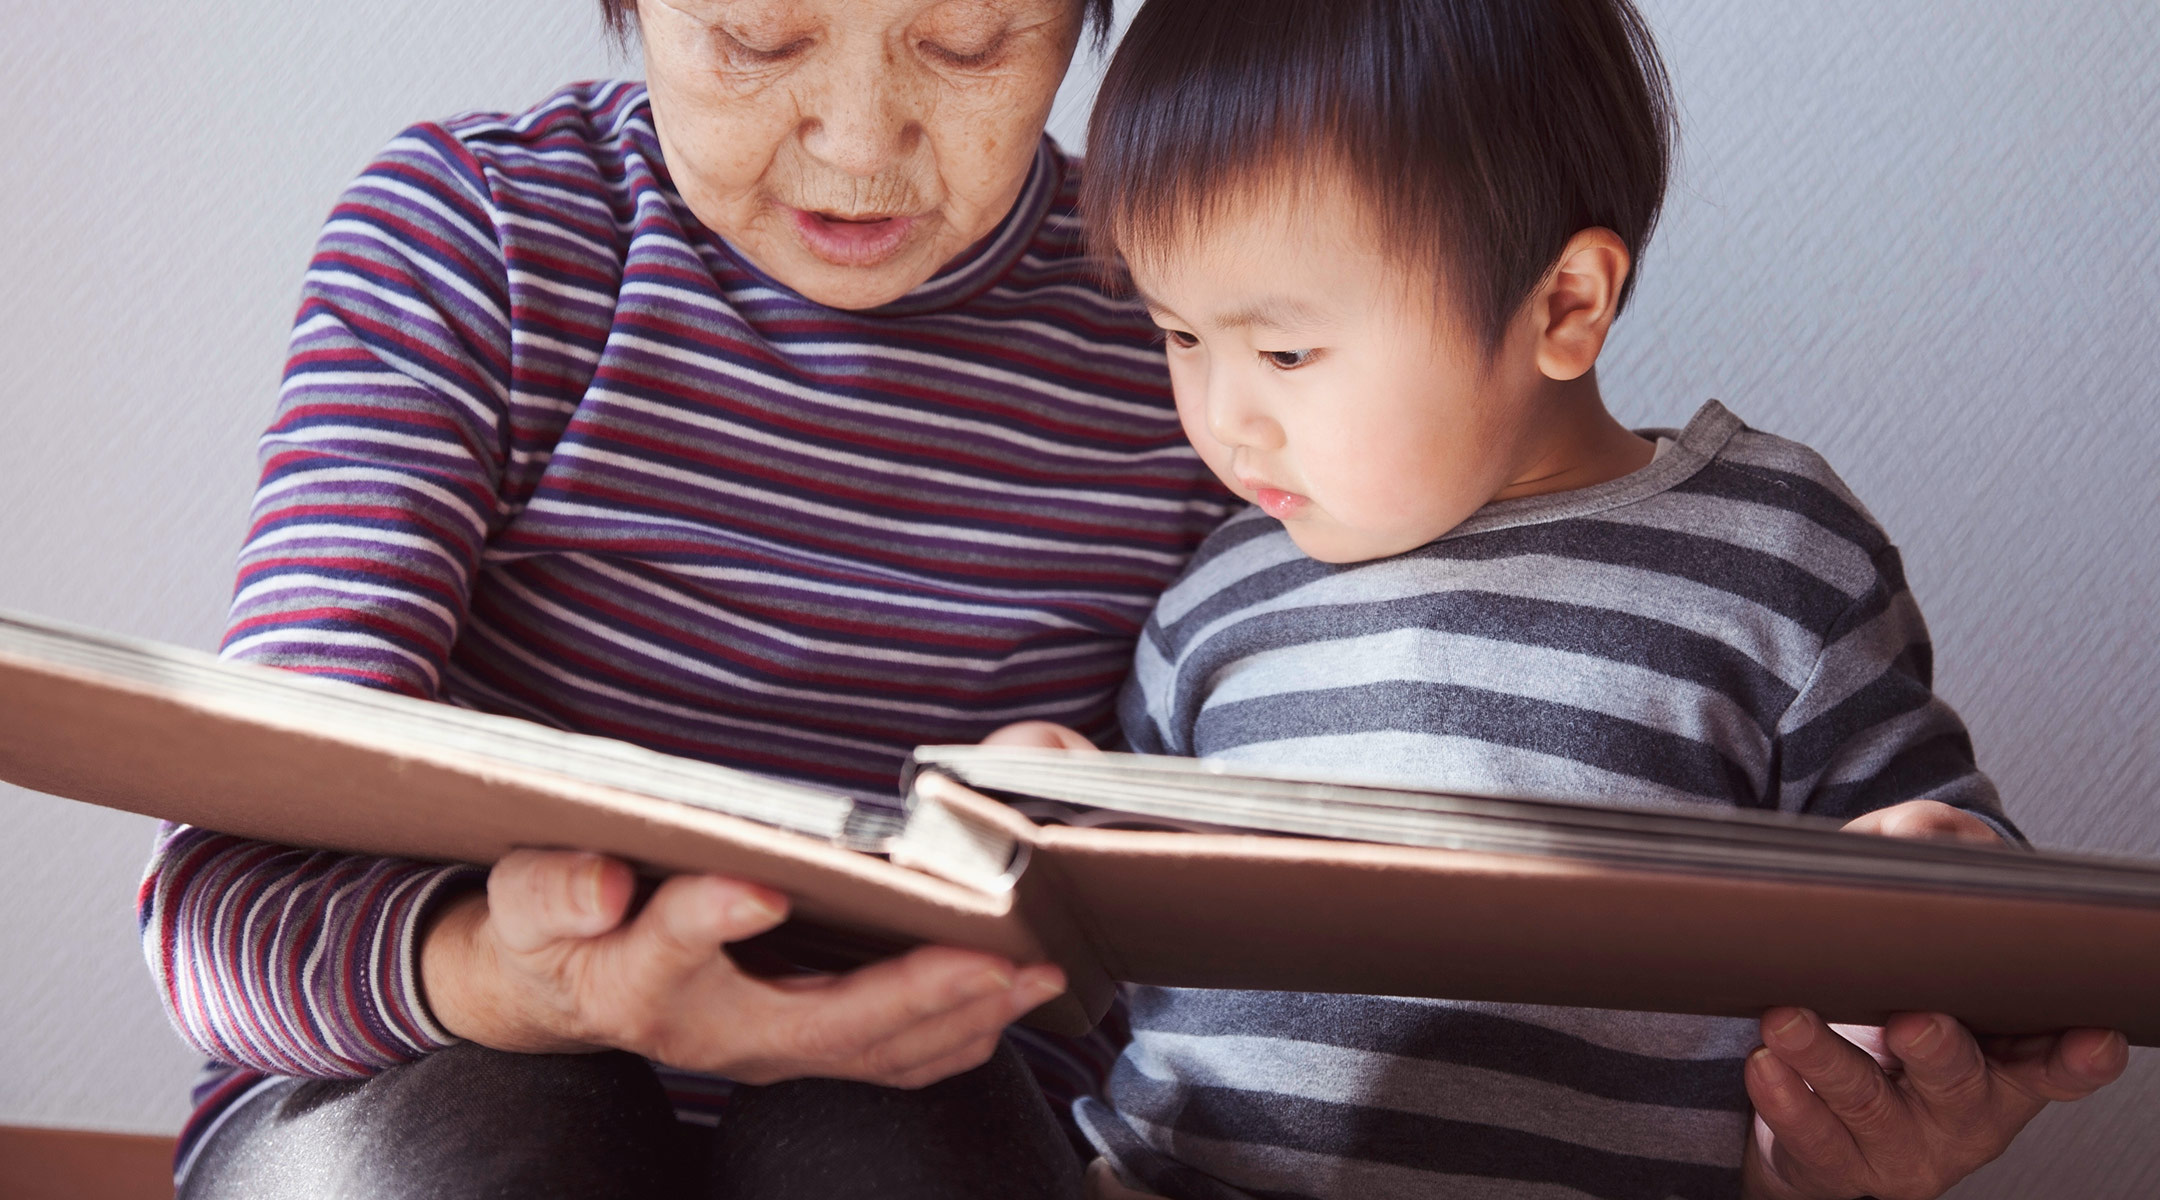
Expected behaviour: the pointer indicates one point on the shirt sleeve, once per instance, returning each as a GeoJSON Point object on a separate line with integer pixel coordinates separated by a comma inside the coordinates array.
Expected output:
{"type": "Point", "coordinates": [381, 477]}
{"type": "Point", "coordinates": [1143, 724]}
{"type": "Point", "coordinates": [1867, 730]}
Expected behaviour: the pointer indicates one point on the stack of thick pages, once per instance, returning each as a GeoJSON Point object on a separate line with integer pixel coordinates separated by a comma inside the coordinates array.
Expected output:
{"type": "Point", "coordinates": [1119, 867]}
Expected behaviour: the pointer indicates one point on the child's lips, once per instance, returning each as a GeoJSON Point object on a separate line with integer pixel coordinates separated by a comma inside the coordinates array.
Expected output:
{"type": "Point", "coordinates": [1278, 503]}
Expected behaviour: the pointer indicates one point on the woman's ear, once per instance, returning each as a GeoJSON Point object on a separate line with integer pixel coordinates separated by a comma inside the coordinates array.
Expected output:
{"type": "Point", "coordinates": [1575, 306]}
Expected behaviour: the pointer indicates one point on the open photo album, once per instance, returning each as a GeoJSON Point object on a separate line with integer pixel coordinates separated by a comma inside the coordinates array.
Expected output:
{"type": "Point", "coordinates": [1125, 867]}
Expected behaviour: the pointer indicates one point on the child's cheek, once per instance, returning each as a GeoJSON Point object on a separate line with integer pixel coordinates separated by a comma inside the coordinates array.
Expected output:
{"type": "Point", "coordinates": [1188, 385]}
{"type": "Point", "coordinates": [1192, 417]}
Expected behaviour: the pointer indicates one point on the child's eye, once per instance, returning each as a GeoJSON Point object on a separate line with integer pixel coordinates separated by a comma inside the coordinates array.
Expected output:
{"type": "Point", "coordinates": [1288, 360]}
{"type": "Point", "coordinates": [1181, 339]}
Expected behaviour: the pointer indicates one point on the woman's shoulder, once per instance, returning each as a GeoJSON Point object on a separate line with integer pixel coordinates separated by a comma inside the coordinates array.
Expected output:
{"type": "Point", "coordinates": [586, 139]}
{"type": "Point", "coordinates": [599, 118]}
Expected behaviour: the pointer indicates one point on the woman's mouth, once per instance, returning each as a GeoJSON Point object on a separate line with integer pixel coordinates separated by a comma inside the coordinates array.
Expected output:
{"type": "Point", "coordinates": [852, 241]}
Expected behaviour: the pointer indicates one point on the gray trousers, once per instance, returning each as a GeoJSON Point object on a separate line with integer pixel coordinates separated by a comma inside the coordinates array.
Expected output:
{"type": "Point", "coordinates": [469, 1122]}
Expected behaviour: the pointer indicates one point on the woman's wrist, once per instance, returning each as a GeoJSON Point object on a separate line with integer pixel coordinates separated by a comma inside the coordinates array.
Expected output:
{"type": "Point", "coordinates": [467, 989]}
{"type": "Point", "coordinates": [447, 950]}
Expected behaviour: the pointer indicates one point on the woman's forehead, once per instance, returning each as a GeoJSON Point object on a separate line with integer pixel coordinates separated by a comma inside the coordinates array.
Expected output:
{"type": "Point", "coordinates": [811, 13]}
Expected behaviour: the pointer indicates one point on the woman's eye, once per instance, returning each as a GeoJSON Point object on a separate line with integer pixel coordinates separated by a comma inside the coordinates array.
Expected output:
{"type": "Point", "coordinates": [759, 53]}
{"type": "Point", "coordinates": [1288, 360]}
{"type": "Point", "coordinates": [981, 56]}
{"type": "Point", "coordinates": [1181, 339]}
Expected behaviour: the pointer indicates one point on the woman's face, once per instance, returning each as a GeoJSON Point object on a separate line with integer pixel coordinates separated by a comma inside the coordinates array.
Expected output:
{"type": "Point", "coordinates": [850, 148]}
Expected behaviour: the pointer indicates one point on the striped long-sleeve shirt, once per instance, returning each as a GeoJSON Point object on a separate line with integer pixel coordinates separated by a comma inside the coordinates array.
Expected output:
{"type": "Point", "coordinates": [1726, 626]}
{"type": "Point", "coordinates": [547, 447]}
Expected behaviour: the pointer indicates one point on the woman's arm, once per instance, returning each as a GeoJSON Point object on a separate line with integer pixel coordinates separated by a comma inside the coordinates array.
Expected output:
{"type": "Point", "coordinates": [396, 440]}
{"type": "Point", "coordinates": [381, 477]}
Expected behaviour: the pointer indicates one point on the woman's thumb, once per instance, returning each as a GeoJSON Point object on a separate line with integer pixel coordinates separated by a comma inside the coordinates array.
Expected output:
{"type": "Point", "coordinates": [541, 896]}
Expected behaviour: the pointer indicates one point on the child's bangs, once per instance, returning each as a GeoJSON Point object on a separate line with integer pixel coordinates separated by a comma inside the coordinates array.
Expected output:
{"type": "Point", "coordinates": [1478, 135]}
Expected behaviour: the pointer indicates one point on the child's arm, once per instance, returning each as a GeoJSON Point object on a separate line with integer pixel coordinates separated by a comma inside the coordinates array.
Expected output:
{"type": "Point", "coordinates": [1910, 1109]}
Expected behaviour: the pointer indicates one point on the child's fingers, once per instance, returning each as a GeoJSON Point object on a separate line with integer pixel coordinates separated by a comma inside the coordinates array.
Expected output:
{"type": "Point", "coordinates": [1808, 1139]}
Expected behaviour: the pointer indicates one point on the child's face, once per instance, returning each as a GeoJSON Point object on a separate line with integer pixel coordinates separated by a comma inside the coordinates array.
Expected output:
{"type": "Point", "coordinates": [1333, 389]}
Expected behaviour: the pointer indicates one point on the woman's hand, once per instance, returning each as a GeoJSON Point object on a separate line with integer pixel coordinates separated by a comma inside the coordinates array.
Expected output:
{"type": "Point", "coordinates": [544, 962]}
{"type": "Point", "coordinates": [1905, 1111]}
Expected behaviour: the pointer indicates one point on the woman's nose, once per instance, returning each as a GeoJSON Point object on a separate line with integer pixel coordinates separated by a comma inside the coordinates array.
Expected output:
{"type": "Point", "coordinates": [864, 121]}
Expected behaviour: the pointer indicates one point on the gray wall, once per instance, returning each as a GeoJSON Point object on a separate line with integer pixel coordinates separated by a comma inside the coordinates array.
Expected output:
{"type": "Point", "coordinates": [1921, 237]}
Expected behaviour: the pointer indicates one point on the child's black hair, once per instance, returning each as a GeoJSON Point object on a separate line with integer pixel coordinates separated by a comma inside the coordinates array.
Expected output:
{"type": "Point", "coordinates": [1480, 134]}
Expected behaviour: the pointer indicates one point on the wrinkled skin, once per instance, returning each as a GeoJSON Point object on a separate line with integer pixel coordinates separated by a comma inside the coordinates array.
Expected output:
{"type": "Point", "coordinates": [785, 122]}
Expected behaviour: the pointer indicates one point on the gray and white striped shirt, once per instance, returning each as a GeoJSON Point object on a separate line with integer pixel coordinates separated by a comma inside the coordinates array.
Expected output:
{"type": "Point", "coordinates": [1725, 626]}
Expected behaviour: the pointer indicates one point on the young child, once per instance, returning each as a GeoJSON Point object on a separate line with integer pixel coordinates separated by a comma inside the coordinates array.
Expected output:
{"type": "Point", "coordinates": [1385, 241]}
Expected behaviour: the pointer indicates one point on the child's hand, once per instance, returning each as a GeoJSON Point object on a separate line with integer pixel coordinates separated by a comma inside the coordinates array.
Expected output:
{"type": "Point", "coordinates": [1905, 1111]}
{"type": "Point", "coordinates": [1045, 735]}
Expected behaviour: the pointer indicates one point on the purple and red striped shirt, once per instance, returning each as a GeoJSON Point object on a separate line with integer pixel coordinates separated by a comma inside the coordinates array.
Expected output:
{"type": "Point", "coordinates": [547, 447]}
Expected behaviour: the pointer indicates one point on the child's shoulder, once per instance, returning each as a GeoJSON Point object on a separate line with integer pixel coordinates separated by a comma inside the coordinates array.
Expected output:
{"type": "Point", "coordinates": [1756, 526]}
{"type": "Point", "coordinates": [1769, 499]}
{"type": "Point", "coordinates": [1764, 471]}
{"type": "Point", "coordinates": [1730, 528]}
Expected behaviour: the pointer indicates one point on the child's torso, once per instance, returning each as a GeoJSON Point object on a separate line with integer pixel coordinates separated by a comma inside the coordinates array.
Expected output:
{"type": "Point", "coordinates": [1638, 646]}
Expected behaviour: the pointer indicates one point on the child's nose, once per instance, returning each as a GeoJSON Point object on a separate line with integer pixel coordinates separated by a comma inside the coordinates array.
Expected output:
{"type": "Point", "coordinates": [1236, 418]}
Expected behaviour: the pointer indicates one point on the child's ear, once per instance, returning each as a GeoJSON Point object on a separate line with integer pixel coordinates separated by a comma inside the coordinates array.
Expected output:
{"type": "Point", "coordinates": [1575, 306]}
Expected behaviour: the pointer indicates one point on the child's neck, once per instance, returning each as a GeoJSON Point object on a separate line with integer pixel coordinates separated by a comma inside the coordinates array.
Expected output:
{"type": "Point", "coordinates": [1580, 444]}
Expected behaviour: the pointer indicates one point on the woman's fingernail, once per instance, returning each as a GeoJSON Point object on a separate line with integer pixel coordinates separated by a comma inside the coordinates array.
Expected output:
{"type": "Point", "coordinates": [984, 983]}
{"type": "Point", "coordinates": [2111, 1050]}
{"type": "Point", "coordinates": [1794, 1032]}
{"type": "Point", "coordinates": [591, 882]}
{"type": "Point", "coordinates": [754, 910]}
{"type": "Point", "coordinates": [1780, 1076]}
{"type": "Point", "coordinates": [1030, 996]}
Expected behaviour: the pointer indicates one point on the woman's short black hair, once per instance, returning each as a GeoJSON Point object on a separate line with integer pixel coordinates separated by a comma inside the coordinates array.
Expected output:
{"type": "Point", "coordinates": [621, 14]}
{"type": "Point", "coordinates": [1480, 134]}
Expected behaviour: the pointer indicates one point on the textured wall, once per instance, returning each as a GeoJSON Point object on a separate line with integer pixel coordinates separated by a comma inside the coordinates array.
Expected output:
{"type": "Point", "coordinates": [166, 167]}
{"type": "Point", "coordinates": [1925, 238]}
{"type": "Point", "coordinates": [1922, 237]}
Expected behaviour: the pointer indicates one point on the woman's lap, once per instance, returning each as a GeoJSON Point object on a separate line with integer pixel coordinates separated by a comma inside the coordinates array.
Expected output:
{"type": "Point", "coordinates": [472, 1122]}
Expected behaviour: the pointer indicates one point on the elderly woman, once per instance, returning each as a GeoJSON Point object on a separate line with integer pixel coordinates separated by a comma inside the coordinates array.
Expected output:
{"type": "Point", "coordinates": [768, 413]}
